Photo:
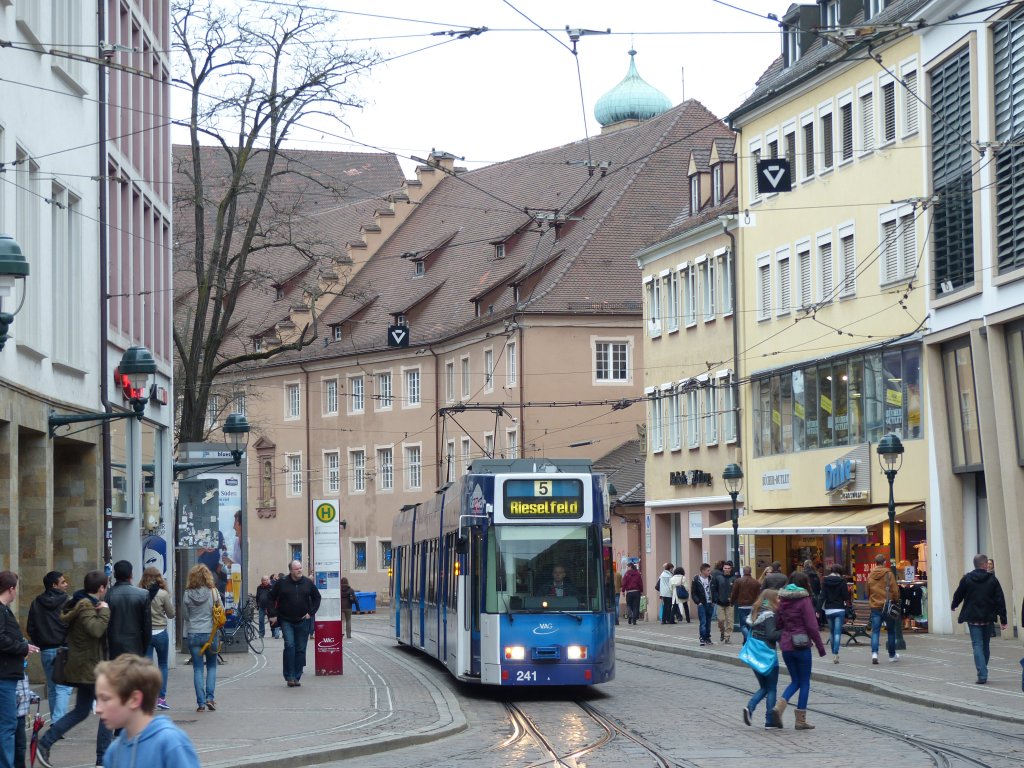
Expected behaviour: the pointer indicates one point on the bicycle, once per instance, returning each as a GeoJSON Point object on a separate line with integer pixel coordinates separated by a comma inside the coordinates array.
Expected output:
{"type": "Point", "coordinates": [247, 625]}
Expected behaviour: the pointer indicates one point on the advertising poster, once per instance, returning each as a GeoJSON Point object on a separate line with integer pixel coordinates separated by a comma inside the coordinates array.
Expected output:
{"type": "Point", "coordinates": [327, 577]}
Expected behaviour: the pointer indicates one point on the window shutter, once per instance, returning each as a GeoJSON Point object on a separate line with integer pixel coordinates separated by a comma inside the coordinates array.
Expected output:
{"type": "Point", "coordinates": [784, 287]}
{"type": "Point", "coordinates": [809, 149]}
{"type": "Point", "coordinates": [827, 149]}
{"type": "Point", "coordinates": [910, 94]}
{"type": "Point", "coordinates": [846, 121]}
{"type": "Point", "coordinates": [909, 243]}
{"type": "Point", "coordinates": [867, 122]}
{"type": "Point", "coordinates": [889, 111]}
{"type": "Point", "coordinates": [764, 291]}
{"type": "Point", "coordinates": [1008, 54]}
{"type": "Point", "coordinates": [804, 260]}
{"type": "Point", "coordinates": [849, 266]}
{"type": "Point", "coordinates": [890, 259]}
{"type": "Point", "coordinates": [826, 271]}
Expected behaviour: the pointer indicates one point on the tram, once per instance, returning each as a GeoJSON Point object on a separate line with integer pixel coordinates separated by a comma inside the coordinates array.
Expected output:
{"type": "Point", "coordinates": [505, 575]}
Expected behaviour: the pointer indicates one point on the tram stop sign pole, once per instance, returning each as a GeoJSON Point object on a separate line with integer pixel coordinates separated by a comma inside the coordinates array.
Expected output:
{"type": "Point", "coordinates": [328, 657]}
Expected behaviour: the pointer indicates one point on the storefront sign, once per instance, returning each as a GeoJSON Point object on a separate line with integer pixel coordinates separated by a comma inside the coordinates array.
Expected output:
{"type": "Point", "coordinates": [696, 525]}
{"type": "Point", "coordinates": [691, 477]}
{"type": "Point", "coordinates": [848, 478]}
{"type": "Point", "coordinates": [777, 480]}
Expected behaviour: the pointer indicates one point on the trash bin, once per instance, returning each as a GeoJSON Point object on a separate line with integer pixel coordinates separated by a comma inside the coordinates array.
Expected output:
{"type": "Point", "coordinates": [367, 602]}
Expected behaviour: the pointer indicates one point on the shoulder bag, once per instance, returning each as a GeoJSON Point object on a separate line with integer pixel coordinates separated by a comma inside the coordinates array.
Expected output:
{"type": "Point", "coordinates": [891, 610]}
{"type": "Point", "coordinates": [681, 592]}
{"type": "Point", "coordinates": [758, 655]}
{"type": "Point", "coordinates": [60, 664]}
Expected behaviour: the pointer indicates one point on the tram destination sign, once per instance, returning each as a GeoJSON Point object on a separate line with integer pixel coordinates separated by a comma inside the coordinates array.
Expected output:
{"type": "Point", "coordinates": [554, 499]}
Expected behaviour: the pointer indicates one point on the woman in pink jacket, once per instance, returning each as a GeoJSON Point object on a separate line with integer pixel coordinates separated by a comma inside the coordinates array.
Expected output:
{"type": "Point", "coordinates": [799, 625]}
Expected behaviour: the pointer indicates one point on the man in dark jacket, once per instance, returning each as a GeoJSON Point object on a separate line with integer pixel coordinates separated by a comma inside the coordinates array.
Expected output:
{"type": "Point", "coordinates": [294, 602]}
{"type": "Point", "coordinates": [13, 650]}
{"type": "Point", "coordinates": [131, 622]}
{"type": "Point", "coordinates": [983, 601]}
{"type": "Point", "coordinates": [262, 601]}
{"type": "Point", "coordinates": [722, 591]}
{"type": "Point", "coordinates": [46, 630]}
{"type": "Point", "coordinates": [702, 593]}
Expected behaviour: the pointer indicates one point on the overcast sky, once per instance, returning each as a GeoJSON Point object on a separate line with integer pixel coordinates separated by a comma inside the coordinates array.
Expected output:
{"type": "Point", "coordinates": [515, 89]}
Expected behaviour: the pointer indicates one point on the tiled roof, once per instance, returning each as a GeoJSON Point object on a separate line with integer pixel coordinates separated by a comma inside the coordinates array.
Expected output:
{"type": "Point", "coordinates": [588, 263]}
{"type": "Point", "coordinates": [624, 467]}
{"type": "Point", "coordinates": [777, 78]}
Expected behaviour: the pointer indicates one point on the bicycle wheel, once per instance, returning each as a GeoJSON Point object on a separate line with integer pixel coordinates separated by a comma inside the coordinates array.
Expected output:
{"type": "Point", "coordinates": [253, 638]}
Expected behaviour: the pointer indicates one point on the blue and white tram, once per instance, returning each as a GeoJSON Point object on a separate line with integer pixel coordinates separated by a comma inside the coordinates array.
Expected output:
{"type": "Point", "coordinates": [505, 576]}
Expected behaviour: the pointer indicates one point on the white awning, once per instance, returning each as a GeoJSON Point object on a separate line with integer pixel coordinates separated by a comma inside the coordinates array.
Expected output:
{"type": "Point", "coordinates": [840, 522]}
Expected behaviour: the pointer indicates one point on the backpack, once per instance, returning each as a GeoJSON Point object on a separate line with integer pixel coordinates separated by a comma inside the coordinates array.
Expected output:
{"type": "Point", "coordinates": [220, 616]}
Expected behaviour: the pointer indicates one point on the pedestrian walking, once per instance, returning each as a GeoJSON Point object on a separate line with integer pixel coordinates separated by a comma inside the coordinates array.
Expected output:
{"type": "Point", "coordinates": [744, 596]}
{"type": "Point", "coordinates": [200, 596]}
{"type": "Point", "coordinates": [632, 588]}
{"type": "Point", "coordinates": [700, 593]}
{"type": "Point", "coordinates": [348, 599]}
{"type": "Point", "coordinates": [775, 578]}
{"type": "Point", "coordinates": [983, 604]}
{"type": "Point", "coordinates": [88, 618]}
{"type": "Point", "coordinates": [881, 587]}
{"type": "Point", "coordinates": [762, 625]}
{"type": "Point", "coordinates": [617, 587]}
{"type": "Point", "coordinates": [723, 591]}
{"type": "Point", "coordinates": [46, 630]}
{"type": "Point", "coordinates": [131, 623]}
{"type": "Point", "coordinates": [680, 594]}
{"type": "Point", "coordinates": [799, 627]}
{"type": "Point", "coordinates": [835, 599]}
{"type": "Point", "coordinates": [26, 698]}
{"type": "Point", "coordinates": [294, 602]}
{"type": "Point", "coordinates": [262, 601]}
{"type": "Point", "coordinates": [665, 593]}
{"type": "Point", "coordinates": [126, 694]}
{"type": "Point", "coordinates": [161, 607]}
{"type": "Point", "coordinates": [814, 579]}
{"type": "Point", "coordinates": [14, 649]}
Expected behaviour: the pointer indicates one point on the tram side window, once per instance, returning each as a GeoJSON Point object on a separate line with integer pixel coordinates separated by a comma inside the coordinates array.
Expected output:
{"type": "Point", "coordinates": [431, 571]}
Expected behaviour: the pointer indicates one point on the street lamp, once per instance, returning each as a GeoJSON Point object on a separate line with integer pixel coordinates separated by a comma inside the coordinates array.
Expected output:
{"type": "Point", "coordinates": [236, 435]}
{"type": "Point", "coordinates": [13, 267]}
{"type": "Point", "coordinates": [137, 365]}
{"type": "Point", "coordinates": [733, 476]}
{"type": "Point", "coordinates": [890, 459]}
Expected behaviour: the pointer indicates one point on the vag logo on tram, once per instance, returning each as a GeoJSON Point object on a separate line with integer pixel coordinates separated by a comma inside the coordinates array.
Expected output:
{"type": "Point", "coordinates": [544, 629]}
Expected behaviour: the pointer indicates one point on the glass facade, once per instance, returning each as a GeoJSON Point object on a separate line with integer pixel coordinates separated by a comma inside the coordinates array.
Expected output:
{"type": "Point", "coordinates": [842, 401]}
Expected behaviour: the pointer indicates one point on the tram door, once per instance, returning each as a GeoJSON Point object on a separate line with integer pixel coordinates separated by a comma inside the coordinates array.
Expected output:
{"type": "Point", "coordinates": [475, 598]}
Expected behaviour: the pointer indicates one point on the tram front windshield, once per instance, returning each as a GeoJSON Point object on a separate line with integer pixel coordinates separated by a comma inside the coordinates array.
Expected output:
{"type": "Point", "coordinates": [543, 568]}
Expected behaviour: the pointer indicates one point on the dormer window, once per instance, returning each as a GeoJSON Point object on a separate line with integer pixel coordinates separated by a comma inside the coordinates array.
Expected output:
{"type": "Point", "coordinates": [716, 184]}
{"type": "Point", "coordinates": [830, 15]}
{"type": "Point", "coordinates": [336, 332]}
{"type": "Point", "coordinates": [279, 295]}
{"type": "Point", "coordinates": [499, 250]}
{"type": "Point", "coordinates": [421, 268]}
{"type": "Point", "coordinates": [476, 308]}
{"type": "Point", "coordinates": [257, 344]}
{"type": "Point", "coordinates": [399, 319]}
{"type": "Point", "coordinates": [792, 44]}
{"type": "Point", "coordinates": [872, 8]}
{"type": "Point", "coordinates": [515, 293]}
{"type": "Point", "coordinates": [694, 194]}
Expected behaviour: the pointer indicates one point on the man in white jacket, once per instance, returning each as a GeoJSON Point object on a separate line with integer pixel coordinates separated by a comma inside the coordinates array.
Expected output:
{"type": "Point", "coordinates": [665, 592]}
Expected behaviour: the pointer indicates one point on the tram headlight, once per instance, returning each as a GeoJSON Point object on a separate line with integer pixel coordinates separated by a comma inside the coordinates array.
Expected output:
{"type": "Point", "coordinates": [576, 652]}
{"type": "Point", "coordinates": [515, 653]}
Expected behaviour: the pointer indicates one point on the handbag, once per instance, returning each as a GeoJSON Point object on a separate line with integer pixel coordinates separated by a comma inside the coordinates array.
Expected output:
{"type": "Point", "coordinates": [758, 655]}
{"type": "Point", "coordinates": [801, 640]}
{"type": "Point", "coordinates": [891, 610]}
{"type": "Point", "coordinates": [681, 592]}
{"type": "Point", "coordinates": [60, 663]}
{"type": "Point", "coordinates": [851, 613]}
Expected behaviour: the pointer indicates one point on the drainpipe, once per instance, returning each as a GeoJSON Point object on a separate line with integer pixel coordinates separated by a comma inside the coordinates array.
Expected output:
{"type": "Point", "coordinates": [735, 329]}
{"type": "Point", "coordinates": [105, 451]}
{"type": "Point", "coordinates": [437, 421]}
{"type": "Point", "coordinates": [309, 465]}
{"type": "Point", "coordinates": [522, 386]}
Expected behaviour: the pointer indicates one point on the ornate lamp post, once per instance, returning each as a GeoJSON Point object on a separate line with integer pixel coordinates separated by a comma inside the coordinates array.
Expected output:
{"type": "Point", "coordinates": [236, 435]}
{"type": "Point", "coordinates": [890, 458]}
{"type": "Point", "coordinates": [13, 267]}
{"type": "Point", "coordinates": [733, 476]}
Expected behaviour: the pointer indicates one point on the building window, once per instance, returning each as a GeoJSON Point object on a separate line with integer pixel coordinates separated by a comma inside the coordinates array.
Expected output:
{"type": "Point", "coordinates": [611, 361]}
{"type": "Point", "coordinates": [693, 417]}
{"type": "Point", "coordinates": [512, 444]}
{"type": "Point", "coordinates": [888, 95]}
{"type": "Point", "coordinates": [848, 258]}
{"type": "Point", "coordinates": [764, 287]}
{"type": "Point", "coordinates": [331, 397]}
{"type": "Point", "coordinates": [489, 445]}
{"type": "Point", "coordinates": [675, 427]}
{"type": "Point", "coordinates": [866, 104]}
{"type": "Point", "coordinates": [419, 268]}
{"type": "Point", "coordinates": [808, 136]}
{"type": "Point", "coordinates": [488, 370]}
{"type": "Point", "coordinates": [827, 141]}
{"type": "Point", "coordinates": [804, 290]}
{"type": "Point", "coordinates": [910, 98]}
{"type": "Point", "coordinates": [385, 395]}
{"type": "Point", "coordinates": [655, 421]}
{"type": "Point", "coordinates": [449, 381]}
{"type": "Point", "coordinates": [717, 184]}
{"type": "Point", "coordinates": [711, 413]}
{"type": "Point", "coordinates": [240, 405]}
{"type": "Point", "coordinates": [653, 290]}
{"type": "Point", "coordinates": [413, 467]}
{"type": "Point", "coordinates": [336, 331]}
{"type": "Point", "coordinates": [695, 194]}
{"type": "Point", "coordinates": [785, 281]}
{"type": "Point", "coordinates": [962, 405]}
{"type": "Point", "coordinates": [412, 388]}
{"type": "Point", "coordinates": [672, 301]}
{"type": "Point", "coordinates": [357, 468]}
{"type": "Point", "coordinates": [385, 554]}
{"type": "Point", "coordinates": [755, 158]}
{"type": "Point", "coordinates": [709, 282]}
{"type": "Point", "coordinates": [358, 555]}
{"type": "Point", "coordinates": [499, 250]}
{"type": "Point", "coordinates": [66, 249]}
{"type": "Point", "coordinates": [450, 459]}
{"type": "Point", "coordinates": [510, 364]}
{"type": "Point", "coordinates": [846, 131]}
{"type": "Point", "coordinates": [690, 296]}
{"type": "Point", "coordinates": [385, 469]}
{"type": "Point", "coordinates": [357, 397]}
{"type": "Point", "coordinates": [212, 411]}
{"type": "Point", "coordinates": [292, 401]}
{"type": "Point", "coordinates": [466, 455]}
{"type": "Point", "coordinates": [1008, 69]}
{"type": "Point", "coordinates": [728, 399]}
{"type": "Point", "coordinates": [332, 472]}
{"type": "Point", "coordinates": [899, 247]}
{"type": "Point", "coordinates": [726, 269]}
{"type": "Point", "coordinates": [465, 378]}
{"type": "Point", "coordinates": [826, 269]}
{"type": "Point", "coordinates": [294, 475]}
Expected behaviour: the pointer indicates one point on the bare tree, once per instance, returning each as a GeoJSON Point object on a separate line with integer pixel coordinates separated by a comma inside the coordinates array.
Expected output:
{"type": "Point", "coordinates": [256, 74]}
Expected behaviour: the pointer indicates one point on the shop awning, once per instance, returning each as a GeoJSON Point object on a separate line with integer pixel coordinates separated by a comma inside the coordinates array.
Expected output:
{"type": "Point", "coordinates": [841, 522]}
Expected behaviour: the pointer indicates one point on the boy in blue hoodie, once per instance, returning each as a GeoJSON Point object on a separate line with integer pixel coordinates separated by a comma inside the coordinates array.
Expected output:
{"type": "Point", "coordinates": [126, 691]}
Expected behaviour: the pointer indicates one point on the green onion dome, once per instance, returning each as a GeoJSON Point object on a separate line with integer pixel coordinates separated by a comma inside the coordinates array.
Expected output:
{"type": "Point", "coordinates": [632, 99]}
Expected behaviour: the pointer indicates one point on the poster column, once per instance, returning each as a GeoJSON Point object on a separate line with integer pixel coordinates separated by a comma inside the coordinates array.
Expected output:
{"type": "Point", "coordinates": [327, 576]}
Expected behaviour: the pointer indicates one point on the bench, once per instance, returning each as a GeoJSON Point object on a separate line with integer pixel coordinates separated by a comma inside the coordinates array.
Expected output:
{"type": "Point", "coordinates": [860, 624]}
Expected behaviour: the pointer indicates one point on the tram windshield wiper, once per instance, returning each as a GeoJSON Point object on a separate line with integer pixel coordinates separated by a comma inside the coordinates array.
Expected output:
{"type": "Point", "coordinates": [508, 611]}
